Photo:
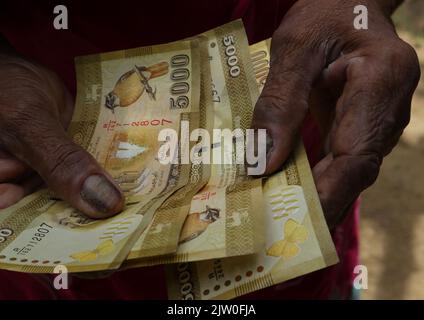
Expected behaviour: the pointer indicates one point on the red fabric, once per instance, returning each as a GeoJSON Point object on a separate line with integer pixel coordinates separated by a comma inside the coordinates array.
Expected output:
{"type": "Point", "coordinates": [99, 26]}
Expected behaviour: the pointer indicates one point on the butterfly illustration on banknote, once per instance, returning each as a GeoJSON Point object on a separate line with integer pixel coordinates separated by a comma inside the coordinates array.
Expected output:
{"type": "Point", "coordinates": [132, 85]}
{"type": "Point", "coordinates": [102, 249]}
{"type": "Point", "coordinates": [294, 234]}
{"type": "Point", "coordinates": [285, 204]}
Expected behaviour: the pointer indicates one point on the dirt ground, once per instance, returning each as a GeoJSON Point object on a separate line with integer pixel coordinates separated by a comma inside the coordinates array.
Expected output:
{"type": "Point", "coordinates": [392, 218]}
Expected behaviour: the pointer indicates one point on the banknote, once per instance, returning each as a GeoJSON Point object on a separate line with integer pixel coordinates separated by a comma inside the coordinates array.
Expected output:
{"type": "Point", "coordinates": [124, 99]}
{"type": "Point", "coordinates": [224, 218]}
{"type": "Point", "coordinates": [161, 236]}
{"type": "Point", "coordinates": [297, 237]}
{"type": "Point", "coordinates": [298, 242]}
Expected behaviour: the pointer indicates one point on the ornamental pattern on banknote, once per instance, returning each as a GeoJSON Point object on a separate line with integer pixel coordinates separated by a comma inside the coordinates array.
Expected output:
{"type": "Point", "coordinates": [239, 92]}
{"type": "Point", "coordinates": [261, 61]}
{"type": "Point", "coordinates": [89, 81]}
{"type": "Point", "coordinates": [23, 216]}
{"type": "Point", "coordinates": [240, 231]}
{"type": "Point", "coordinates": [291, 171]}
{"type": "Point", "coordinates": [259, 283]}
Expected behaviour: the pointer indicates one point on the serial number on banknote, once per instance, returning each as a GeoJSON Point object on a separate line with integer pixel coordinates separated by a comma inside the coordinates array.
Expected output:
{"type": "Point", "coordinates": [40, 233]}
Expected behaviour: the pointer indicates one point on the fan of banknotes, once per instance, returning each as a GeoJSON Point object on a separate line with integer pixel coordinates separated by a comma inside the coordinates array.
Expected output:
{"type": "Point", "coordinates": [220, 233]}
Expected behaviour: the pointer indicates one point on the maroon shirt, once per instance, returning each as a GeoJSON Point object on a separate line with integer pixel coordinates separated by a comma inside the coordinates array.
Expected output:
{"type": "Point", "coordinates": [99, 26]}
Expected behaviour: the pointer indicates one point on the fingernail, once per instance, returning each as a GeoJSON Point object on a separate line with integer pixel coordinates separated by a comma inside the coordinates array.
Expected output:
{"type": "Point", "coordinates": [101, 194]}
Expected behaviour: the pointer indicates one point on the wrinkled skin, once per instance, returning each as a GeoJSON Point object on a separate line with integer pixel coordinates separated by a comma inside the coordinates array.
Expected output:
{"type": "Point", "coordinates": [358, 84]}
{"type": "Point", "coordinates": [35, 109]}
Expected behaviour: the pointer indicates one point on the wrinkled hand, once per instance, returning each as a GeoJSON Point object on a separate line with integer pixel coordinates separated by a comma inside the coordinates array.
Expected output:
{"type": "Point", "coordinates": [366, 77]}
{"type": "Point", "coordinates": [35, 109]}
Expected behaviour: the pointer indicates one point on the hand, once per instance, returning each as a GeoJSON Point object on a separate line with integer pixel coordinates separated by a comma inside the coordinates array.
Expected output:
{"type": "Point", "coordinates": [370, 75]}
{"type": "Point", "coordinates": [35, 109]}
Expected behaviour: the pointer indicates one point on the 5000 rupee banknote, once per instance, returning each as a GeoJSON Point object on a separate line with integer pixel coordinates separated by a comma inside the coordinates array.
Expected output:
{"type": "Point", "coordinates": [297, 237]}
{"type": "Point", "coordinates": [124, 99]}
{"type": "Point", "coordinates": [161, 236]}
{"type": "Point", "coordinates": [297, 242]}
{"type": "Point", "coordinates": [224, 218]}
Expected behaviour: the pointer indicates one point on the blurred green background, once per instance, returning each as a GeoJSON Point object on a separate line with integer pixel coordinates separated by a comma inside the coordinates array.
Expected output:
{"type": "Point", "coordinates": [392, 220]}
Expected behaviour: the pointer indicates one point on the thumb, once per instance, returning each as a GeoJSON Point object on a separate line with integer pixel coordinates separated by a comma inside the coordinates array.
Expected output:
{"type": "Point", "coordinates": [283, 104]}
{"type": "Point", "coordinates": [70, 171]}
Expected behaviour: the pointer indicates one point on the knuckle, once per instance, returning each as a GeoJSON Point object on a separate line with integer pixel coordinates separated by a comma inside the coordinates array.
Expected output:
{"type": "Point", "coordinates": [18, 76]}
{"type": "Point", "coordinates": [370, 168]}
{"type": "Point", "coordinates": [22, 125]}
{"type": "Point", "coordinates": [25, 103]}
{"type": "Point", "coordinates": [18, 125]}
{"type": "Point", "coordinates": [275, 106]}
{"type": "Point", "coordinates": [24, 83]}
{"type": "Point", "coordinates": [394, 123]}
{"type": "Point", "coordinates": [404, 117]}
{"type": "Point", "coordinates": [64, 158]}
{"type": "Point", "coordinates": [282, 42]}
{"type": "Point", "coordinates": [411, 62]}
{"type": "Point", "coordinates": [399, 117]}
{"type": "Point", "coordinates": [289, 43]}
{"type": "Point", "coordinates": [286, 87]}
{"type": "Point", "coordinates": [404, 60]}
{"type": "Point", "coordinates": [273, 100]}
{"type": "Point", "coordinates": [286, 77]}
